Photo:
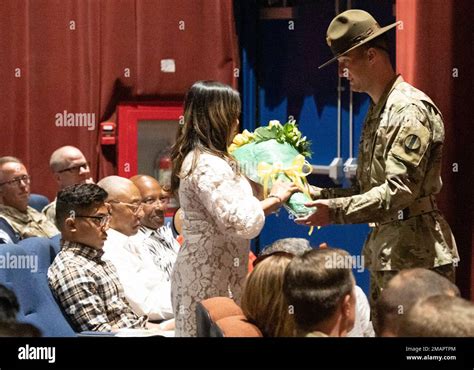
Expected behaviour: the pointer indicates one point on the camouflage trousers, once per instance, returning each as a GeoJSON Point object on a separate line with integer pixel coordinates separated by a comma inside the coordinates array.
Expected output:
{"type": "Point", "coordinates": [380, 279]}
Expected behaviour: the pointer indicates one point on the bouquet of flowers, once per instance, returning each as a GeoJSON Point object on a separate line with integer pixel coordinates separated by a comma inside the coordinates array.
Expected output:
{"type": "Point", "coordinates": [276, 152]}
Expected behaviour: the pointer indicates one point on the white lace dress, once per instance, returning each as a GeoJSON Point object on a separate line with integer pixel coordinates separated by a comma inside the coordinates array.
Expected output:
{"type": "Point", "coordinates": [221, 215]}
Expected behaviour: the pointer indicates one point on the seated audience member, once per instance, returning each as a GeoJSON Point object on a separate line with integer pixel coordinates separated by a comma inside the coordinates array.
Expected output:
{"type": "Point", "coordinates": [15, 192]}
{"type": "Point", "coordinates": [69, 167]}
{"type": "Point", "coordinates": [362, 325]}
{"type": "Point", "coordinates": [439, 316]}
{"type": "Point", "coordinates": [156, 239]}
{"type": "Point", "coordinates": [86, 286]}
{"type": "Point", "coordinates": [263, 303]}
{"type": "Point", "coordinates": [402, 292]}
{"type": "Point", "coordinates": [9, 308]}
{"type": "Point", "coordinates": [321, 295]}
{"type": "Point", "coordinates": [290, 246]}
{"type": "Point", "coordinates": [297, 246]}
{"type": "Point", "coordinates": [143, 283]}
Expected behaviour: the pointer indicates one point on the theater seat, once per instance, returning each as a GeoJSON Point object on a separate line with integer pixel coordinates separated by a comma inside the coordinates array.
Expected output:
{"type": "Point", "coordinates": [55, 246]}
{"type": "Point", "coordinates": [38, 201]}
{"type": "Point", "coordinates": [234, 326]}
{"type": "Point", "coordinates": [213, 309]}
{"type": "Point", "coordinates": [7, 234]}
{"type": "Point", "coordinates": [30, 284]}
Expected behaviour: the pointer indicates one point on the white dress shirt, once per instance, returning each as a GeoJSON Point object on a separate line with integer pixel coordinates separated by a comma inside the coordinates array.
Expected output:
{"type": "Point", "coordinates": [362, 325]}
{"type": "Point", "coordinates": [144, 287]}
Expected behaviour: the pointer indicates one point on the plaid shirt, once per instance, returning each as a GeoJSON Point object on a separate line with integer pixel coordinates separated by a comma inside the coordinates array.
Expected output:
{"type": "Point", "coordinates": [89, 290]}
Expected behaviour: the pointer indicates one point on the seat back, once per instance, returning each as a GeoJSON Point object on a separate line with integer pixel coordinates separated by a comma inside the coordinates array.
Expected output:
{"type": "Point", "coordinates": [234, 326]}
{"type": "Point", "coordinates": [213, 309]}
{"type": "Point", "coordinates": [8, 232]}
{"type": "Point", "coordinates": [28, 279]}
{"type": "Point", "coordinates": [55, 246]}
{"type": "Point", "coordinates": [38, 201]}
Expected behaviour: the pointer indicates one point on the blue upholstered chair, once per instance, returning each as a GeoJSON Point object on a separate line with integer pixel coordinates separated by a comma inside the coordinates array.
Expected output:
{"type": "Point", "coordinates": [55, 246]}
{"type": "Point", "coordinates": [7, 234]}
{"type": "Point", "coordinates": [38, 201]}
{"type": "Point", "coordinates": [37, 304]}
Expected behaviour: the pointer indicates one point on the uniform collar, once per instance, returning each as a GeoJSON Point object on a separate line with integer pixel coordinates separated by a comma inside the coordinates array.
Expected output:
{"type": "Point", "coordinates": [14, 213]}
{"type": "Point", "coordinates": [376, 109]}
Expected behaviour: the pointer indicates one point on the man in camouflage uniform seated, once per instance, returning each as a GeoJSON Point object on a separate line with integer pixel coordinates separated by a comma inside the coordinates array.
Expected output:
{"type": "Point", "coordinates": [15, 192]}
{"type": "Point", "coordinates": [399, 161]}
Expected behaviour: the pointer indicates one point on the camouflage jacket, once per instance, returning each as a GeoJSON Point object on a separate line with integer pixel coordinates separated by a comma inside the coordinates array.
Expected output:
{"type": "Point", "coordinates": [29, 224]}
{"type": "Point", "coordinates": [399, 162]}
{"type": "Point", "coordinates": [50, 211]}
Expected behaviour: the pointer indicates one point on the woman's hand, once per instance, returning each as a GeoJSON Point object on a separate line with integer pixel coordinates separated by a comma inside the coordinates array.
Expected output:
{"type": "Point", "coordinates": [283, 190]}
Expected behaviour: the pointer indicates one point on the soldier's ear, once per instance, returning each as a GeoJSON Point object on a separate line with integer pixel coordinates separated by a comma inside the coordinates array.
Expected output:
{"type": "Point", "coordinates": [371, 53]}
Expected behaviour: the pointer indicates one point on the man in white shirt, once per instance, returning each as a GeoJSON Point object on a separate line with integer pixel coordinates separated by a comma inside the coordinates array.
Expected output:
{"type": "Point", "coordinates": [143, 284]}
{"type": "Point", "coordinates": [155, 239]}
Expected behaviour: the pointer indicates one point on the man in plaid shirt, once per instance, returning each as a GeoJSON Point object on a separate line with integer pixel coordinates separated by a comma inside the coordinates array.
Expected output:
{"type": "Point", "coordinates": [87, 287]}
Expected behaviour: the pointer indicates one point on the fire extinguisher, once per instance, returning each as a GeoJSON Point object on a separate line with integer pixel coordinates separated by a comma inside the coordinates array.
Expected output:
{"type": "Point", "coordinates": [163, 170]}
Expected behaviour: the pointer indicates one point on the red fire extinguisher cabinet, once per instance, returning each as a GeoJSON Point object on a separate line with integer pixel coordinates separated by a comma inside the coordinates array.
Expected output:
{"type": "Point", "coordinates": [141, 129]}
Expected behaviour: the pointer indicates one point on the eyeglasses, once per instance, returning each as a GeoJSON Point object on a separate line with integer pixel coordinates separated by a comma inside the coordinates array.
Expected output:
{"type": "Point", "coordinates": [98, 220]}
{"type": "Point", "coordinates": [135, 208]}
{"type": "Point", "coordinates": [77, 168]}
{"type": "Point", "coordinates": [17, 181]}
{"type": "Point", "coordinates": [151, 201]}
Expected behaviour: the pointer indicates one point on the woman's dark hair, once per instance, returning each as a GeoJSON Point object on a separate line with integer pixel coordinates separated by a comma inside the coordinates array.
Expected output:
{"type": "Point", "coordinates": [9, 306]}
{"type": "Point", "coordinates": [211, 110]}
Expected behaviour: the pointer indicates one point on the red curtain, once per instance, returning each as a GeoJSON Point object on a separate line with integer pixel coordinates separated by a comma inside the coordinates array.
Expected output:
{"type": "Point", "coordinates": [434, 50]}
{"type": "Point", "coordinates": [84, 56]}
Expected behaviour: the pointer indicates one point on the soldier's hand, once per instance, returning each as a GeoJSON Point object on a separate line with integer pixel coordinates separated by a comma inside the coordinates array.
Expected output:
{"type": "Point", "coordinates": [318, 218]}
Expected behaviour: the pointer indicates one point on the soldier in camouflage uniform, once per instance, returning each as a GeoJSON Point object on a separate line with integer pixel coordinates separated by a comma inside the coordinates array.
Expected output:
{"type": "Point", "coordinates": [399, 162]}
{"type": "Point", "coordinates": [14, 192]}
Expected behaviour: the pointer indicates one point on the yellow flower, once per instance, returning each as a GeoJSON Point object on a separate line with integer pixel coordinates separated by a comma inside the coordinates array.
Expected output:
{"type": "Point", "coordinates": [239, 140]}
{"type": "Point", "coordinates": [232, 147]}
{"type": "Point", "coordinates": [248, 134]}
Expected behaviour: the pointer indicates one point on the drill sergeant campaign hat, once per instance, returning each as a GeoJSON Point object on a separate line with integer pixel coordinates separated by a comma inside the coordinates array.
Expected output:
{"type": "Point", "coordinates": [351, 29]}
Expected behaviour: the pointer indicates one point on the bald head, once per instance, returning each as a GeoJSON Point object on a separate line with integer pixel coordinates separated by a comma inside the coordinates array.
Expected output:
{"type": "Point", "coordinates": [125, 200]}
{"type": "Point", "coordinates": [403, 291]}
{"type": "Point", "coordinates": [117, 187]}
{"type": "Point", "coordinates": [70, 167]}
{"type": "Point", "coordinates": [154, 199]}
{"type": "Point", "coordinates": [145, 182]}
{"type": "Point", "coordinates": [439, 316]}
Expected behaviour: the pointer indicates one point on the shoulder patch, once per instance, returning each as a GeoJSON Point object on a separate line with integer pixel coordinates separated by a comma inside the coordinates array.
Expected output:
{"type": "Point", "coordinates": [411, 144]}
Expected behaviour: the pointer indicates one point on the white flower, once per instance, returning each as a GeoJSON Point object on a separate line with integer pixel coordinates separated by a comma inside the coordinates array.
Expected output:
{"type": "Point", "coordinates": [274, 123]}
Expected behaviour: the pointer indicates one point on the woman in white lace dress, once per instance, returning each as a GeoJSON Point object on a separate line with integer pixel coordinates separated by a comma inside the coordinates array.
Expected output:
{"type": "Point", "coordinates": [221, 214]}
